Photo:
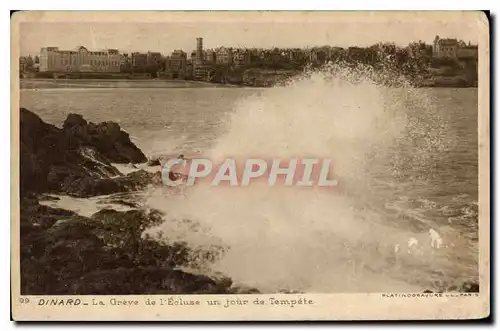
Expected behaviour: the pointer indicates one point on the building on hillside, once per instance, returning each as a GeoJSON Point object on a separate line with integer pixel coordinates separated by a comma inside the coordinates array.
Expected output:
{"type": "Point", "coordinates": [125, 62]}
{"type": "Point", "coordinates": [25, 63]}
{"type": "Point", "coordinates": [52, 59]}
{"type": "Point", "coordinates": [139, 61]}
{"type": "Point", "coordinates": [154, 59]}
{"type": "Point", "coordinates": [445, 47]}
{"type": "Point", "coordinates": [209, 57]}
{"type": "Point", "coordinates": [192, 57]}
{"type": "Point", "coordinates": [241, 58]}
{"type": "Point", "coordinates": [176, 64]}
{"type": "Point", "coordinates": [453, 48]}
{"type": "Point", "coordinates": [224, 56]}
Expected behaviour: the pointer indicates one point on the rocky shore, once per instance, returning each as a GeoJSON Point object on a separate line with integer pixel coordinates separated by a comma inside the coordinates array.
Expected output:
{"type": "Point", "coordinates": [105, 253]}
{"type": "Point", "coordinates": [65, 253]}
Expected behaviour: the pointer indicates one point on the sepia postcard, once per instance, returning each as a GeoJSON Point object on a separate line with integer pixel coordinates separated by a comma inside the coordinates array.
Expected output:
{"type": "Point", "coordinates": [250, 166]}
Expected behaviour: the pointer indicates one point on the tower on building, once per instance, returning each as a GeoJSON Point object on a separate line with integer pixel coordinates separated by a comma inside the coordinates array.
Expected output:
{"type": "Point", "coordinates": [199, 50]}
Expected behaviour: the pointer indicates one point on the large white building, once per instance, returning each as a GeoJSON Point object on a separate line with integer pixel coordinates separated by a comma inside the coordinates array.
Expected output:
{"type": "Point", "coordinates": [52, 59]}
{"type": "Point", "coordinates": [453, 48]}
{"type": "Point", "coordinates": [445, 47]}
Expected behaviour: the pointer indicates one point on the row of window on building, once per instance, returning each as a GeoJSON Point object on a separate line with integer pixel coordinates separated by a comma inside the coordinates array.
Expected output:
{"type": "Point", "coordinates": [452, 48]}
{"type": "Point", "coordinates": [74, 61]}
{"type": "Point", "coordinates": [52, 59]}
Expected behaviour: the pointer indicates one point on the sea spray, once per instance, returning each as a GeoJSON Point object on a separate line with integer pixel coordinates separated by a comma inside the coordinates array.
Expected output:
{"type": "Point", "coordinates": [282, 238]}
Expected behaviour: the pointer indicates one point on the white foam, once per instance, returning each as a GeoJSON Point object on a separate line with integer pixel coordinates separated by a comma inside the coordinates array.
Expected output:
{"type": "Point", "coordinates": [436, 240]}
{"type": "Point", "coordinates": [303, 239]}
{"type": "Point", "coordinates": [83, 206]}
{"type": "Point", "coordinates": [129, 168]}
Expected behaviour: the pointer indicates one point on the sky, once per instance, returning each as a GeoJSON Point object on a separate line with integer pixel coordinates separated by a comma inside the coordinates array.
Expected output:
{"type": "Point", "coordinates": [164, 32]}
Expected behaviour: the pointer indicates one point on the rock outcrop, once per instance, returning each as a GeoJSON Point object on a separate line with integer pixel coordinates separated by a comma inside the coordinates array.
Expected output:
{"type": "Point", "coordinates": [63, 253]}
{"type": "Point", "coordinates": [88, 187]}
{"type": "Point", "coordinates": [77, 158]}
{"type": "Point", "coordinates": [66, 254]}
{"type": "Point", "coordinates": [107, 138]}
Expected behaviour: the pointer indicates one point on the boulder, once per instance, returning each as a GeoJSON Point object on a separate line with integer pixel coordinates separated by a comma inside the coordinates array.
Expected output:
{"type": "Point", "coordinates": [107, 138]}
{"type": "Point", "coordinates": [74, 120]}
{"type": "Point", "coordinates": [75, 159]}
{"type": "Point", "coordinates": [154, 162]}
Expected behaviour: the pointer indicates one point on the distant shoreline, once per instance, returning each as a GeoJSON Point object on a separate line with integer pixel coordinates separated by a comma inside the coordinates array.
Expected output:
{"type": "Point", "coordinates": [47, 83]}
{"type": "Point", "coordinates": [44, 83]}
{"type": "Point", "coordinates": [65, 83]}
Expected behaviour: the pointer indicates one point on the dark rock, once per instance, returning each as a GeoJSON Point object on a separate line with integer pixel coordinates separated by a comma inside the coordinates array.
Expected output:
{"type": "Point", "coordinates": [131, 223]}
{"type": "Point", "coordinates": [130, 204]}
{"type": "Point", "coordinates": [88, 187]}
{"type": "Point", "coordinates": [48, 157]}
{"type": "Point", "coordinates": [244, 290]}
{"type": "Point", "coordinates": [36, 217]}
{"type": "Point", "coordinates": [49, 198]}
{"type": "Point", "coordinates": [470, 287]}
{"type": "Point", "coordinates": [465, 287]}
{"type": "Point", "coordinates": [105, 254]}
{"type": "Point", "coordinates": [74, 120]}
{"type": "Point", "coordinates": [64, 253]}
{"type": "Point", "coordinates": [107, 138]}
{"type": "Point", "coordinates": [153, 162]}
{"type": "Point", "coordinates": [40, 148]}
{"type": "Point", "coordinates": [145, 281]}
{"type": "Point", "coordinates": [76, 159]}
{"type": "Point", "coordinates": [144, 178]}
